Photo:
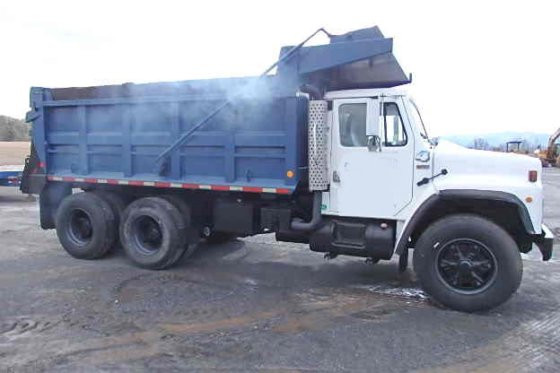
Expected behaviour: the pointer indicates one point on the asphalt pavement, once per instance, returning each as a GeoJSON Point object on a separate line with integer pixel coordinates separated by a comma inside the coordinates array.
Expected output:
{"type": "Point", "coordinates": [256, 305]}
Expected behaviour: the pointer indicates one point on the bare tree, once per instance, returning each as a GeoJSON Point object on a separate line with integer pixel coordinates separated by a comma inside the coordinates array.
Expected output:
{"type": "Point", "coordinates": [12, 129]}
{"type": "Point", "coordinates": [480, 143]}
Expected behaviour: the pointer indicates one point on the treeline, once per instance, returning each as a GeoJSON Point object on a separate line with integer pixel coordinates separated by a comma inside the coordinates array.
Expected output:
{"type": "Point", "coordinates": [12, 129]}
{"type": "Point", "coordinates": [518, 146]}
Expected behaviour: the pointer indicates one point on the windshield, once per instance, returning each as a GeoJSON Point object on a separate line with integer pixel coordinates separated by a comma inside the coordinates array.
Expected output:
{"type": "Point", "coordinates": [418, 119]}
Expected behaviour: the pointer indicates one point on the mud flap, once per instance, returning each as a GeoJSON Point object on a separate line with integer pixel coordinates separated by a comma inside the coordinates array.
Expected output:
{"type": "Point", "coordinates": [34, 178]}
{"type": "Point", "coordinates": [49, 200]}
{"type": "Point", "coordinates": [545, 243]}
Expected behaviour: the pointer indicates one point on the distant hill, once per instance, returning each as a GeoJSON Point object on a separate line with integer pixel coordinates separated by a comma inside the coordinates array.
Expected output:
{"type": "Point", "coordinates": [500, 138]}
{"type": "Point", "coordinates": [12, 129]}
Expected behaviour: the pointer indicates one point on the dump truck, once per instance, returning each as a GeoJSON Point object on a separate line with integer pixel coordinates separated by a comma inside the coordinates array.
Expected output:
{"type": "Point", "coordinates": [327, 150]}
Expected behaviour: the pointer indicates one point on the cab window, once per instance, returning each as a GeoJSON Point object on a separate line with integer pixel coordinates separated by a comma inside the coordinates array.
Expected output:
{"type": "Point", "coordinates": [352, 122]}
{"type": "Point", "coordinates": [393, 128]}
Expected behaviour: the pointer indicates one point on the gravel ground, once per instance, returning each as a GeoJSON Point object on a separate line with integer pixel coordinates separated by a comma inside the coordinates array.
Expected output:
{"type": "Point", "coordinates": [255, 304]}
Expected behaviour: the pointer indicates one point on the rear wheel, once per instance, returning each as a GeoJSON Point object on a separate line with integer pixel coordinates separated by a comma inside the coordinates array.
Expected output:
{"type": "Point", "coordinates": [117, 202]}
{"type": "Point", "coordinates": [191, 234]}
{"type": "Point", "coordinates": [85, 225]}
{"type": "Point", "coordinates": [152, 233]}
{"type": "Point", "coordinates": [468, 263]}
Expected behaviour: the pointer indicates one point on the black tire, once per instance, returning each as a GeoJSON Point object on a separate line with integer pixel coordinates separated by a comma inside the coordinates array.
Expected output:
{"type": "Point", "coordinates": [403, 261]}
{"type": "Point", "coordinates": [181, 205]}
{"type": "Point", "coordinates": [117, 202]}
{"type": "Point", "coordinates": [453, 248]}
{"type": "Point", "coordinates": [216, 238]}
{"type": "Point", "coordinates": [85, 226]}
{"type": "Point", "coordinates": [190, 232]}
{"type": "Point", "coordinates": [152, 233]}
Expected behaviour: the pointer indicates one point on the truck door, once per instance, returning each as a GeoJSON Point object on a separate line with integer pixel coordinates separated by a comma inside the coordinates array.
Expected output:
{"type": "Point", "coordinates": [371, 167]}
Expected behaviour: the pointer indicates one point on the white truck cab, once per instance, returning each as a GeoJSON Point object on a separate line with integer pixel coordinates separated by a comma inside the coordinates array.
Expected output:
{"type": "Point", "coordinates": [465, 210]}
{"type": "Point", "coordinates": [380, 173]}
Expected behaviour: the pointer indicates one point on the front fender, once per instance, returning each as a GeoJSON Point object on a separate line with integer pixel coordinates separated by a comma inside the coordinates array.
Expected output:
{"type": "Point", "coordinates": [512, 188]}
{"type": "Point", "coordinates": [492, 195]}
{"type": "Point", "coordinates": [425, 209]}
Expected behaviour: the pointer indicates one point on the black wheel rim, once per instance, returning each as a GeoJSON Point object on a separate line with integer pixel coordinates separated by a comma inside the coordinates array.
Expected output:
{"type": "Point", "coordinates": [148, 235]}
{"type": "Point", "coordinates": [466, 265]}
{"type": "Point", "coordinates": [80, 227]}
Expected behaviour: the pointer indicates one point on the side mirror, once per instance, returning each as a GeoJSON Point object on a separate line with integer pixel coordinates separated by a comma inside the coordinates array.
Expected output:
{"type": "Point", "coordinates": [374, 143]}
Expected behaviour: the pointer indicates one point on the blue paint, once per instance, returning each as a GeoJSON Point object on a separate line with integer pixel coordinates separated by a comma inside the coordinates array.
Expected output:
{"type": "Point", "coordinates": [120, 131]}
{"type": "Point", "coordinates": [10, 178]}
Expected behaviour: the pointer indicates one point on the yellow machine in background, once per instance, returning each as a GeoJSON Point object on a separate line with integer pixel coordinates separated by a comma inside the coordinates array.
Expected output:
{"type": "Point", "coordinates": [551, 155]}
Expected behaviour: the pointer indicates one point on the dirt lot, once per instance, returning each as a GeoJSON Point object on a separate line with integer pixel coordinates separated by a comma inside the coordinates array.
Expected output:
{"type": "Point", "coordinates": [13, 152]}
{"type": "Point", "coordinates": [255, 304]}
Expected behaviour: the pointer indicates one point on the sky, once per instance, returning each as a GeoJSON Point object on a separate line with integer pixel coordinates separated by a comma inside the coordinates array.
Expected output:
{"type": "Point", "coordinates": [477, 66]}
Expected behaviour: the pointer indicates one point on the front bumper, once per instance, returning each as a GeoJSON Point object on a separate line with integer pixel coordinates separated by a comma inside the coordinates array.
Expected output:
{"type": "Point", "coordinates": [545, 242]}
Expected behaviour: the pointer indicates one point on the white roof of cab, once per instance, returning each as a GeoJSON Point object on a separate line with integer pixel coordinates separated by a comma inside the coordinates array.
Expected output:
{"type": "Point", "coordinates": [355, 93]}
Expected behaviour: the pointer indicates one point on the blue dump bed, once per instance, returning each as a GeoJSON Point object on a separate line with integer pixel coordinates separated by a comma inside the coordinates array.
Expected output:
{"type": "Point", "coordinates": [254, 143]}
{"type": "Point", "coordinates": [117, 134]}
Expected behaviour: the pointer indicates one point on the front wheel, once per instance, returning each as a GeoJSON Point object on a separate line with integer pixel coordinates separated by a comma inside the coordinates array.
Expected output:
{"type": "Point", "coordinates": [468, 263]}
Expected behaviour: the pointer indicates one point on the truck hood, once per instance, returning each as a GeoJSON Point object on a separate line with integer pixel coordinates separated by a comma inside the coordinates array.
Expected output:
{"type": "Point", "coordinates": [480, 166]}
